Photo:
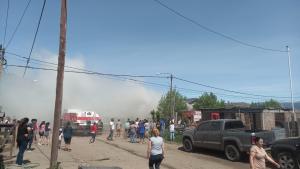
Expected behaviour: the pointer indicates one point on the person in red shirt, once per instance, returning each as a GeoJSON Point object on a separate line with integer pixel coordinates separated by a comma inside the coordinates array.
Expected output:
{"type": "Point", "coordinates": [93, 131]}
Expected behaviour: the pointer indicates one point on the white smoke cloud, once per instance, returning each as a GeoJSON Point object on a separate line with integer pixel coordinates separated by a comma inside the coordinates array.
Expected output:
{"type": "Point", "coordinates": [34, 95]}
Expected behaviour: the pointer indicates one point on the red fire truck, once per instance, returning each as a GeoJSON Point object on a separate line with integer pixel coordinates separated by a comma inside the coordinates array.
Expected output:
{"type": "Point", "coordinates": [80, 120]}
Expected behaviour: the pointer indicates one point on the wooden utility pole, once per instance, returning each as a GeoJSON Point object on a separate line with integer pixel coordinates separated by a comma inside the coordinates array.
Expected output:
{"type": "Point", "coordinates": [59, 84]}
{"type": "Point", "coordinates": [171, 96]}
{"type": "Point", "coordinates": [1, 60]}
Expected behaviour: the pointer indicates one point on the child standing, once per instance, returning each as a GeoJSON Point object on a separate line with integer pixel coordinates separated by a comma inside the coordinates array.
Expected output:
{"type": "Point", "coordinates": [93, 131]}
{"type": "Point", "coordinates": [60, 135]}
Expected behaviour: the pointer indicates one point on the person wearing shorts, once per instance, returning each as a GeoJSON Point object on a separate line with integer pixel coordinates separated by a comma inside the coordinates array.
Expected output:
{"type": "Point", "coordinates": [42, 132]}
{"type": "Point", "coordinates": [47, 133]}
{"type": "Point", "coordinates": [68, 133]}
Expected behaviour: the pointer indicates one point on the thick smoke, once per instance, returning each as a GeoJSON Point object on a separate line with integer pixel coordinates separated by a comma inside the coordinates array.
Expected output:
{"type": "Point", "coordinates": [34, 95]}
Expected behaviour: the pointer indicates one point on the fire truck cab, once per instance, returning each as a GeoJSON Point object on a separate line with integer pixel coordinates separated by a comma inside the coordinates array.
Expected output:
{"type": "Point", "coordinates": [82, 118]}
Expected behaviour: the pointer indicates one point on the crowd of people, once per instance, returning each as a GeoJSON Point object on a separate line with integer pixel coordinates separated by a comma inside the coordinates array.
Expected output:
{"type": "Point", "coordinates": [39, 134]}
{"type": "Point", "coordinates": [136, 131]}
{"type": "Point", "coordinates": [139, 130]}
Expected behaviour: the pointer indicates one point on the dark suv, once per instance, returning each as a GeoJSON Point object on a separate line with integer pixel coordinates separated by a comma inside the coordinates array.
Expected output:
{"type": "Point", "coordinates": [287, 152]}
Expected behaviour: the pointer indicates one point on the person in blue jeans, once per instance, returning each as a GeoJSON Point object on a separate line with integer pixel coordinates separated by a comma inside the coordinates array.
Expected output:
{"type": "Point", "coordinates": [156, 150]}
{"type": "Point", "coordinates": [22, 140]}
{"type": "Point", "coordinates": [162, 126]}
{"type": "Point", "coordinates": [142, 132]}
{"type": "Point", "coordinates": [30, 136]}
{"type": "Point", "coordinates": [172, 131]}
{"type": "Point", "coordinates": [132, 132]}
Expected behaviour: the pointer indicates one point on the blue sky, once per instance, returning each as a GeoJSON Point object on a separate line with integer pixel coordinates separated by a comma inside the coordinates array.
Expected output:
{"type": "Point", "coordinates": [141, 37]}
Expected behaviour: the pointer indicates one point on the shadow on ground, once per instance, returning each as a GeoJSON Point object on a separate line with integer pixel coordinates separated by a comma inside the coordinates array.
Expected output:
{"type": "Point", "coordinates": [215, 153]}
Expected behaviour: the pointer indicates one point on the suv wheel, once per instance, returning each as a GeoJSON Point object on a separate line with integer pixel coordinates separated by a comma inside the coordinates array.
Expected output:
{"type": "Point", "coordinates": [187, 145]}
{"type": "Point", "coordinates": [287, 161]}
{"type": "Point", "coordinates": [232, 153]}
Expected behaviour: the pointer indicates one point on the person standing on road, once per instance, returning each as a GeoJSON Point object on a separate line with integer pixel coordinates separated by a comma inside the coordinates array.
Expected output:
{"type": "Point", "coordinates": [35, 127]}
{"type": "Point", "coordinates": [111, 130]}
{"type": "Point", "coordinates": [142, 132]}
{"type": "Point", "coordinates": [30, 136]}
{"type": "Point", "coordinates": [147, 128]}
{"type": "Point", "coordinates": [42, 133]}
{"type": "Point", "coordinates": [68, 133]}
{"type": "Point", "coordinates": [93, 132]}
{"type": "Point", "coordinates": [156, 150]}
{"type": "Point", "coordinates": [162, 126]}
{"type": "Point", "coordinates": [60, 135]}
{"type": "Point", "coordinates": [47, 133]}
{"type": "Point", "coordinates": [172, 131]}
{"type": "Point", "coordinates": [100, 123]}
{"type": "Point", "coordinates": [132, 132]}
{"type": "Point", "coordinates": [22, 140]}
{"type": "Point", "coordinates": [126, 127]}
{"type": "Point", "coordinates": [258, 156]}
{"type": "Point", "coordinates": [119, 127]}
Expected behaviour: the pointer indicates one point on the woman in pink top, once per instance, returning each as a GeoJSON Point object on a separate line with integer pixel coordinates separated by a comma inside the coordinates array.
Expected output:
{"type": "Point", "coordinates": [258, 156]}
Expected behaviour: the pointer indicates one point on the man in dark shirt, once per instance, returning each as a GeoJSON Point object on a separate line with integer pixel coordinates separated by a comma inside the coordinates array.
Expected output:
{"type": "Point", "coordinates": [22, 140]}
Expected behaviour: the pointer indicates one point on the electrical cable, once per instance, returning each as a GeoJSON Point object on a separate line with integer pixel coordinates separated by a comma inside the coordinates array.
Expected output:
{"type": "Point", "coordinates": [213, 31]}
{"type": "Point", "coordinates": [137, 81]}
{"type": "Point", "coordinates": [136, 76]}
{"type": "Point", "coordinates": [226, 90]}
{"type": "Point", "coordinates": [6, 21]}
{"type": "Point", "coordinates": [35, 35]}
{"type": "Point", "coordinates": [92, 72]}
{"type": "Point", "coordinates": [18, 25]}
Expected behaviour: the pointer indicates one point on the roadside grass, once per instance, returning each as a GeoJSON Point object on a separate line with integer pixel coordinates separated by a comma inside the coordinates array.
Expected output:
{"type": "Point", "coordinates": [177, 140]}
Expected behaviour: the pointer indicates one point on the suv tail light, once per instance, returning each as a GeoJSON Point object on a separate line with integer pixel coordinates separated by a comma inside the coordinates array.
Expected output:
{"type": "Point", "coordinates": [253, 137]}
{"type": "Point", "coordinates": [298, 146]}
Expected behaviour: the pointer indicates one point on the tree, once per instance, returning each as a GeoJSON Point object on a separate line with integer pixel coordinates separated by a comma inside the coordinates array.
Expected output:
{"type": "Point", "coordinates": [175, 99]}
{"type": "Point", "coordinates": [155, 115]}
{"type": "Point", "coordinates": [267, 104]}
{"type": "Point", "coordinates": [208, 100]}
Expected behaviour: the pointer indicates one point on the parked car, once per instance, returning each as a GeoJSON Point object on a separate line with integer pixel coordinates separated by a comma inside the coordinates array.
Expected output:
{"type": "Point", "coordinates": [227, 135]}
{"type": "Point", "coordinates": [287, 152]}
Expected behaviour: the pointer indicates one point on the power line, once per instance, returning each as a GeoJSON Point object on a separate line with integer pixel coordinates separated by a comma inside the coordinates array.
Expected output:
{"type": "Point", "coordinates": [221, 94]}
{"type": "Point", "coordinates": [19, 23]}
{"type": "Point", "coordinates": [227, 90]}
{"type": "Point", "coordinates": [92, 72]}
{"type": "Point", "coordinates": [256, 96]}
{"type": "Point", "coordinates": [36, 32]}
{"type": "Point", "coordinates": [202, 91]}
{"type": "Point", "coordinates": [213, 31]}
{"type": "Point", "coordinates": [6, 20]}
{"type": "Point", "coordinates": [143, 76]}
{"type": "Point", "coordinates": [135, 80]}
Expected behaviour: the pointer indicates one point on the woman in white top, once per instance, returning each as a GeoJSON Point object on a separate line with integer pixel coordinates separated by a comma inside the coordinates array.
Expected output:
{"type": "Point", "coordinates": [258, 156]}
{"type": "Point", "coordinates": [156, 150]}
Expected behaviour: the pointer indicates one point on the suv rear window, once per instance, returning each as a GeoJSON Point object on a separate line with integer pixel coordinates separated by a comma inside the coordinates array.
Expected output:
{"type": "Point", "coordinates": [234, 125]}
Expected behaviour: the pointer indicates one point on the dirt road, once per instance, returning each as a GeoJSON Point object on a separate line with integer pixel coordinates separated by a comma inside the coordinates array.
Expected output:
{"type": "Point", "coordinates": [121, 153]}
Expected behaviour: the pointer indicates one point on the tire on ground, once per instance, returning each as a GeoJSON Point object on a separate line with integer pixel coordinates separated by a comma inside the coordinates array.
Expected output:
{"type": "Point", "coordinates": [187, 145]}
{"type": "Point", "coordinates": [287, 161]}
{"type": "Point", "coordinates": [232, 153]}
